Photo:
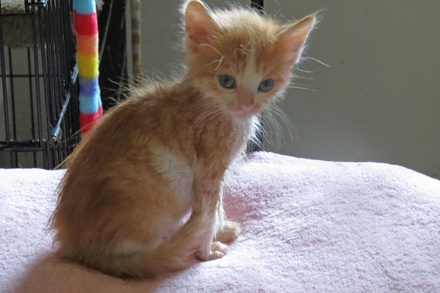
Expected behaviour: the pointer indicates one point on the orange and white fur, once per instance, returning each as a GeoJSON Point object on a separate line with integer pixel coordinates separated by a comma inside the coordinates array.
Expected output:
{"type": "Point", "coordinates": [142, 193]}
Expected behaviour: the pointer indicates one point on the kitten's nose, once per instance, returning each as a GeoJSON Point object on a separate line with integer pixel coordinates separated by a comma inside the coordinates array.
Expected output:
{"type": "Point", "coordinates": [246, 100]}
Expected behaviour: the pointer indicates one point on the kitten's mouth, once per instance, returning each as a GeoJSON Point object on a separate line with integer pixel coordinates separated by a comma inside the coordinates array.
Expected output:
{"type": "Point", "coordinates": [243, 113]}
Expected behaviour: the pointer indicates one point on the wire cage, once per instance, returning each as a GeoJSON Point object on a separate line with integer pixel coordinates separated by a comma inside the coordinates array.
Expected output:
{"type": "Point", "coordinates": [38, 89]}
{"type": "Point", "coordinates": [39, 110]}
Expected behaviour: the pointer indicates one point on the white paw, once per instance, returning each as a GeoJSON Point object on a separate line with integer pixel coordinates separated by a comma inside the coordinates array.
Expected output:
{"type": "Point", "coordinates": [218, 250]}
{"type": "Point", "coordinates": [229, 232]}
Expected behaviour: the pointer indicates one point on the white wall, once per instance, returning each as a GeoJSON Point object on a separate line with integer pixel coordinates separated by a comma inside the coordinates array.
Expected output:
{"type": "Point", "coordinates": [379, 98]}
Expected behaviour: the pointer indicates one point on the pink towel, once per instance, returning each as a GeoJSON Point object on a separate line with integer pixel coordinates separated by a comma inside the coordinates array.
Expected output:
{"type": "Point", "coordinates": [308, 226]}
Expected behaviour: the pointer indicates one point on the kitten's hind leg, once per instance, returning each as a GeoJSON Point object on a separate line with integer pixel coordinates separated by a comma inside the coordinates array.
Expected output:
{"type": "Point", "coordinates": [229, 232]}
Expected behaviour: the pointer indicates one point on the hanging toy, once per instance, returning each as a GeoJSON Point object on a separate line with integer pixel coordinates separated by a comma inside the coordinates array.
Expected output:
{"type": "Point", "coordinates": [85, 25]}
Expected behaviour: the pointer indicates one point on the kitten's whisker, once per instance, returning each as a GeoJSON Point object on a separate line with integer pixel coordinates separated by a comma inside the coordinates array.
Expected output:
{"type": "Point", "coordinates": [317, 61]}
{"type": "Point", "coordinates": [286, 78]}
{"type": "Point", "coordinates": [212, 47]}
{"type": "Point", "coordinates": [297, 84]}
{"type": "Point", "coordinates": [291, 129]}
{"type": "Point", "coordinates": [303, 70]}
{"type": "Point", "coordinates": [220, 61]}
{"type": "Point", "coordinates": [276, 122]}
{"type": "Point", "coordinates": [302, 77]}
{"type": "Point", "coordinates": [302, 88]}
{"type": "Point", "coordinates": [243, 49]}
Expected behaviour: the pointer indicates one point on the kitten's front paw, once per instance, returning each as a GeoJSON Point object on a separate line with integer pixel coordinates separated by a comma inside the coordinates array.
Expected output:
{"type": "Point", "coordinates": [218, 250]}
{"type": "Point", "coordinates": [229, 232]}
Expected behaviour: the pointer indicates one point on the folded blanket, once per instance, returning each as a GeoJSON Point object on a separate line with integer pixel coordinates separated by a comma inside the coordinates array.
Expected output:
{"type": "Point", "coordinates": [308, 226]}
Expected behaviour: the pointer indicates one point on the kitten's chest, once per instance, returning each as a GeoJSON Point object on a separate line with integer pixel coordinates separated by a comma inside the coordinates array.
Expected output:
{"type": "Point", "coordinates": [219, 136]}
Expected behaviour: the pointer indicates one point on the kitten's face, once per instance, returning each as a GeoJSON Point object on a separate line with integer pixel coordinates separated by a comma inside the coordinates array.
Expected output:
{"type": "Point", "coordinates": [239, 58]}
{"type": "Point", "coordinates": [243, 75]}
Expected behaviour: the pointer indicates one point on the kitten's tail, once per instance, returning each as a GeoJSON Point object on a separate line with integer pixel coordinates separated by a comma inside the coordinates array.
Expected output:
{"type": "Point", "coordinates": [172, 255]}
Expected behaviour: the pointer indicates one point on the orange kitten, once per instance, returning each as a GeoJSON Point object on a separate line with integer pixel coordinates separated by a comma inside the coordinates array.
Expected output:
{"type": "Point", "coordinates": [160, 156]}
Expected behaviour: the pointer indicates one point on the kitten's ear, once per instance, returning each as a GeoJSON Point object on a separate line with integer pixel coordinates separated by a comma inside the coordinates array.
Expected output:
{"type": "Point", "coordinates": [198, 23]}
{"type": "Point", "coordinates": [294, 36]}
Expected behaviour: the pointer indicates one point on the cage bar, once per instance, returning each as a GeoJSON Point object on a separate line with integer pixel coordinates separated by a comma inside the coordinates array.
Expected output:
{"type": "Point", "coordinates": [37, 84]}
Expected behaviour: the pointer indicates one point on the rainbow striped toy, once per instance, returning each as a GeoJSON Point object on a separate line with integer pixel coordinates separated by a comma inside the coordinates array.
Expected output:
{"type": "Point", "coordinates": [85, 25]}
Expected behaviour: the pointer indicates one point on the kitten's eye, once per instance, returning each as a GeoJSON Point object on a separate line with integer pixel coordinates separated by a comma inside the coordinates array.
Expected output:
{"type": "Point", "coordinates": [266, 85]}
{"type": "Point", "coordinates": [226, 81]}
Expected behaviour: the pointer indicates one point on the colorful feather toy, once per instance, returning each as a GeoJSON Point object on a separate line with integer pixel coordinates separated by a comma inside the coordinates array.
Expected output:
{"type": "Point", "coordinates": [85, 24]}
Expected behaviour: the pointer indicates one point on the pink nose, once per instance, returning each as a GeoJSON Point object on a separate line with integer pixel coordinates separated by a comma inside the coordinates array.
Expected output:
{"type": "Point", "coordinates": [246, 101]}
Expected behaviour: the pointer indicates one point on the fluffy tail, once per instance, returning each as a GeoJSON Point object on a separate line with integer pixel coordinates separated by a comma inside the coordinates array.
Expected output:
{"type": "Point", "coordinates": [172, 255]}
